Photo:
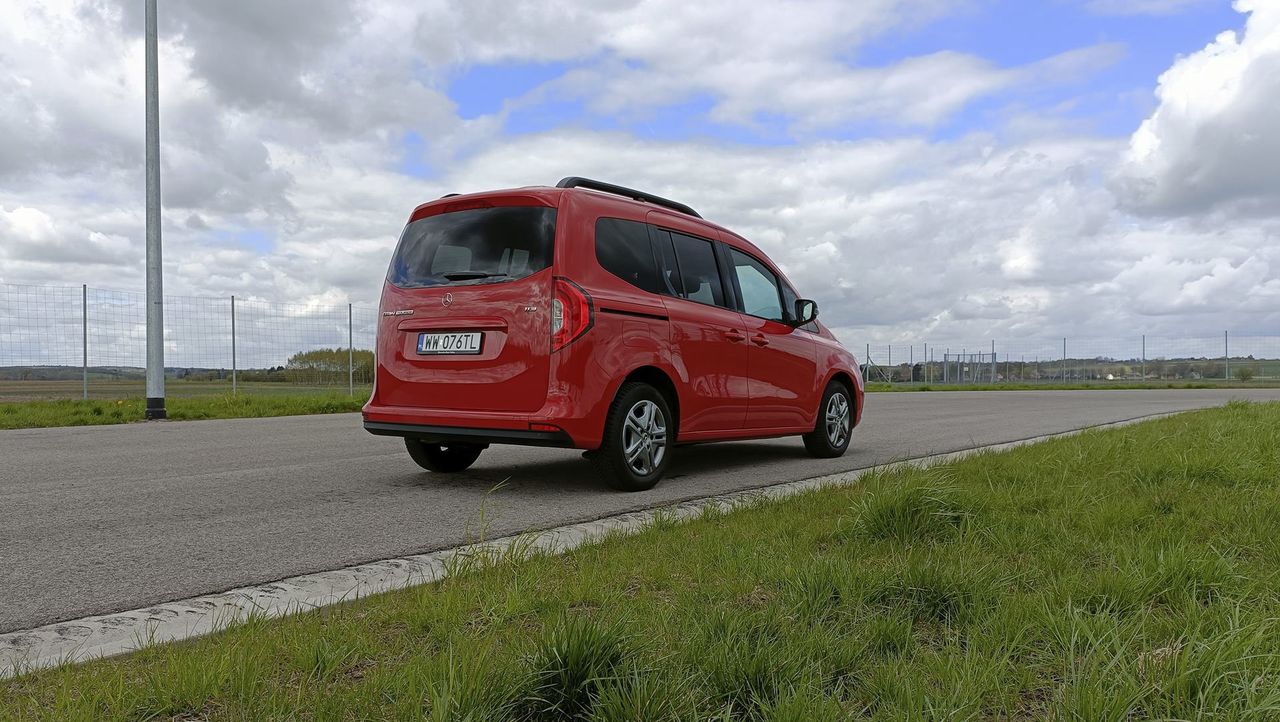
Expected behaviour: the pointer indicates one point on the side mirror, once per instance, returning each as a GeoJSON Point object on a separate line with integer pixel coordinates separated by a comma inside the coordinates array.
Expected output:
{"type": "Point", "coordinates": [805, 311]}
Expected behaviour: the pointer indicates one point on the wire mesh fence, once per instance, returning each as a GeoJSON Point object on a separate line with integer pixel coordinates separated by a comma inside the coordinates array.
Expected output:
{"type": "Point", "coordinates": [60, 341]}
{"type": "Point", "coordinates": [73, 341]}
{"type": "Point", "coordinates": [1138, 359]}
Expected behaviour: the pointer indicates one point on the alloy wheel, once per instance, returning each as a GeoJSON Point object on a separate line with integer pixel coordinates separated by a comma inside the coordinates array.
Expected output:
{"type": "Point", "coordinates": [644, 437]}
{"type": "Point", "coordinates": [837, 419]}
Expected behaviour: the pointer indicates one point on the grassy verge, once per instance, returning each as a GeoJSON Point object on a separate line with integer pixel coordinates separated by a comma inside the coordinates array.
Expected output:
{"type": "Point", "coordinates": [32, 414]}
{"type": "Point", "coordinates": [1115, 575]}
{"type": "Point", "coordinates": [1084, 386]}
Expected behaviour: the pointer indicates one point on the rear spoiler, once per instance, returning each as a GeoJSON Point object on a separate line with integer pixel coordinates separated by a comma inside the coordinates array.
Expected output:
{"type": "Point", "coordinates": [574, 181]}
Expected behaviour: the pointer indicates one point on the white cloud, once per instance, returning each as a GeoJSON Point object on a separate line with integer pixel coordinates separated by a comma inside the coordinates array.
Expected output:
{"type": "Point", "coordinates": [1212, 142]}
{"type": "Point", "coordinates": [975, 236]}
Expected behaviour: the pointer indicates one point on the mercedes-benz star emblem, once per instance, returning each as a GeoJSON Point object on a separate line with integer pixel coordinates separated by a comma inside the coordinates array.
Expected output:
{"type": "Point", "coordinates": [447, 300]}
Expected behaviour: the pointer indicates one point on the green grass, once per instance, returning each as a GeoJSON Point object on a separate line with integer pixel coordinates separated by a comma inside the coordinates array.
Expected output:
{"type": "Point", "coordinates": [32, 414]}
{"type": "Point", "coordinates": [1083, 386]}
{"type": "Point", "coordinates": [1125, 574]}
{"type": "Point", "coordinates": [110, 388]}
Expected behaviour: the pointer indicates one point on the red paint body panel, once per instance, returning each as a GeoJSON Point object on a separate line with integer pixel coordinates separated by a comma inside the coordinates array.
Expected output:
{"type": "Point", "coordinates": [733, 375]}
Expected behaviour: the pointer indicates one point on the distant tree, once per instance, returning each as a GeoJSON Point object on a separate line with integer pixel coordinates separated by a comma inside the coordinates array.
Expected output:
{"type": "Point", "coordinates": [1211, 370]}
{"type": "Point", "coordinates": [1244, 373]}
{"type": "Point", "coordinates": [328, 367]}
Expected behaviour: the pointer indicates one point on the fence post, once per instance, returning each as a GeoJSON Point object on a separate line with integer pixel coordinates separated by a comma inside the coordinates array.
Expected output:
{"type": "Point", "coordinates": [1064, 360]}
{"type": "Point", "coordinates": [1144, 357]}
{"type": "Point", "coordinates": [993, 360]}
{"type": "Point", "coordinates": [351, 357]}
{"type": "Point", "coordinates": [911, 362]}
{"type": "Point", "coordinates": [888, 364]}
{"type": "Point", "coordinates": [233, 345]}
{"type": "Point", "coordinates": [1226, 357]}
{"type": "Point", "coordinates": [84, 341]}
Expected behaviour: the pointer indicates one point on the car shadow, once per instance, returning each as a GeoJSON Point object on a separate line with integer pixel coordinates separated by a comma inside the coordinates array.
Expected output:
{"type": "Point", "coordinates": [567, 471]}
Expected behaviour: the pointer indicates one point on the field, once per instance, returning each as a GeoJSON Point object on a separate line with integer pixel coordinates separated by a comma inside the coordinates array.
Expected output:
{"type": "Point", "coordinates": [115, 389]}
{"type": "Point", "coordinates": [224, 405]}
{"type": "Point", "coordinates": [27, 404]}
{"type": "Point", "coordinates": [1113, 575]}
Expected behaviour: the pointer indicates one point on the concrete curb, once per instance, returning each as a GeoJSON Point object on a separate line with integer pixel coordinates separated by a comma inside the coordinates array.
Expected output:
{"type": "Point", "coordinates": [88, 638]}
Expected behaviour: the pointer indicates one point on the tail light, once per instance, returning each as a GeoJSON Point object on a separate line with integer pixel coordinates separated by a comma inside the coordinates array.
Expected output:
{"type": "Point", "coordinates": [571, 313]}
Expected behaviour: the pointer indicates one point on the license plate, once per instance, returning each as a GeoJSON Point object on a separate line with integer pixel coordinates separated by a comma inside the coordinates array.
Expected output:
{"type": "Point", "coordinates": [450, 343]}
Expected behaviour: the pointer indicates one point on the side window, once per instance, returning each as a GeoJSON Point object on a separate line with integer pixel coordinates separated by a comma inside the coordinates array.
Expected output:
{"type": "Point", "coordinates": [623, 249]}
{"type": "Point", "coordinates": [698, 272]}
{"type": "Point", "coordinates": [759, 287]}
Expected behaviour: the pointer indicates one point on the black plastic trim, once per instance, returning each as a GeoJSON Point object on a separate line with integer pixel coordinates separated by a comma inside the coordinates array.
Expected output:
{"type": "Point", "coordinates": [728, 278]}
{"type": "Point", "coordinates": [637, 314]}
{"type": "Point", "coordinates": [574, 181]}
{"type": "Point", "coordinates": [466, 434]}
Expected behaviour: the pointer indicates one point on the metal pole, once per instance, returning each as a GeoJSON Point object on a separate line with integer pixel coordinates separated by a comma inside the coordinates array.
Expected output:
{"type": "Point", "coordinates": [889, 362]}
{"type": "Point", "coordinates": [911, 362]}
{"type": "Point", "coordinates": [84, 341]}
{"type": "Point", "coordinates": [1064, 360]}
{"type": "Point", "coordinates": [1144, 357]}
{"type": "Point", "coordinates": [233, 344]}
{"type": "Point", "coordinates": [1226, 357]}
{"type": "Point", "coordinates": [993, 360]}
{"type": "Point", "coordinates": [351, 357]}
{"type": "Point", "coordinates": [155, 290]}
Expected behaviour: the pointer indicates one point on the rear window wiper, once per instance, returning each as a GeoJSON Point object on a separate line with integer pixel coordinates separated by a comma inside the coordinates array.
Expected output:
{"type": "Point", "coordinates": [470, 275]}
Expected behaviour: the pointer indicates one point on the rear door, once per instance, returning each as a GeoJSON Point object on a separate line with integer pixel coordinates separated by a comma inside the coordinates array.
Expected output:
{"type": "Point", "coordinates": [466, 311]}
{"type": "Point", "coordinates": [782, 364]}
{"type": "Point", "coordinates": [707, 336]}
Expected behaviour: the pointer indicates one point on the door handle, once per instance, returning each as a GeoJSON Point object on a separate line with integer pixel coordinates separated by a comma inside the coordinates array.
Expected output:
{"type": "Point", "coordinates": [759, 340]}
{"type": "Point", "coordinates": [735, 336]}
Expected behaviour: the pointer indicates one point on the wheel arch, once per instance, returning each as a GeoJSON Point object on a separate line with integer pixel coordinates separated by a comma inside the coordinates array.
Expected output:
{"type": "Point", "coordinates": [845, 378]}
{"type": "Point", "coordinates": [660, 380]}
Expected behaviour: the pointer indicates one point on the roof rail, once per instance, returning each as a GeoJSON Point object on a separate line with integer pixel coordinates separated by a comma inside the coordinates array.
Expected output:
{"type": "Point", "coordinates": [574, 181]}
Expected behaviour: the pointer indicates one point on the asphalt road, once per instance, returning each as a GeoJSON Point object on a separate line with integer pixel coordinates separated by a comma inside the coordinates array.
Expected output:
{"type": "Point", "coordinates": [95, 520]}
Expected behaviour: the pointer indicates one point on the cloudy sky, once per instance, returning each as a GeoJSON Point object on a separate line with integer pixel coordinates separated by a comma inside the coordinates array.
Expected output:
{"type": "Point", "coordinates": [942, 169]}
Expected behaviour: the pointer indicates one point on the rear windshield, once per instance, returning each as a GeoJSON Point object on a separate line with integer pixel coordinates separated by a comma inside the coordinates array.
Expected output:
{"type": "Point", "coordinates": [480, 245]}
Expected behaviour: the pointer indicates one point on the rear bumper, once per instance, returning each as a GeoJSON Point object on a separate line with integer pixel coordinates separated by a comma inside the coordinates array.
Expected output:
{"type": "Point", "coordinates": [465, 434]}
{"type": "Point", "coordinates": [544, 428]}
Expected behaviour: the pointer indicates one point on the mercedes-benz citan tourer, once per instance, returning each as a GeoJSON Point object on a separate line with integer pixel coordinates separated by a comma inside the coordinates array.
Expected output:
{"type": "Point", "coordinates": [602, 318]}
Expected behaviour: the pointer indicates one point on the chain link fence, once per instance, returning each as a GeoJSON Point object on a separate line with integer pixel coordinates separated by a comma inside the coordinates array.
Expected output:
{"type": "Point", "coordinates": [70, 342]}
{"type": "Point", "coordinates": [1241, 359]}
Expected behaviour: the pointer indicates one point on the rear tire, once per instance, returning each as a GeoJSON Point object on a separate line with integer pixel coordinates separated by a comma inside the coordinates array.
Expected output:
{"type": "Point", "coordinates": [834, 425]}
{"type": "Point", "coordinates": [638, 435]}
{"type": "Point", "coordinates": [443, 458]}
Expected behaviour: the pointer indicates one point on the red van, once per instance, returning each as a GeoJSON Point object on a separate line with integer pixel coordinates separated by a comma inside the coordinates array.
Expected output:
{"type": "Point", "coordinates": [597, 317]}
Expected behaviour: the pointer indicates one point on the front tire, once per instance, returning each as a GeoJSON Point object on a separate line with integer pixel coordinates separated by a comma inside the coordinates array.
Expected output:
{"type": "Point", "coordinates": [834, 427]}
{"type": "Point", "coordinates": [638, 435]}
{"type": "Point", "coordinates": [443, 458]}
